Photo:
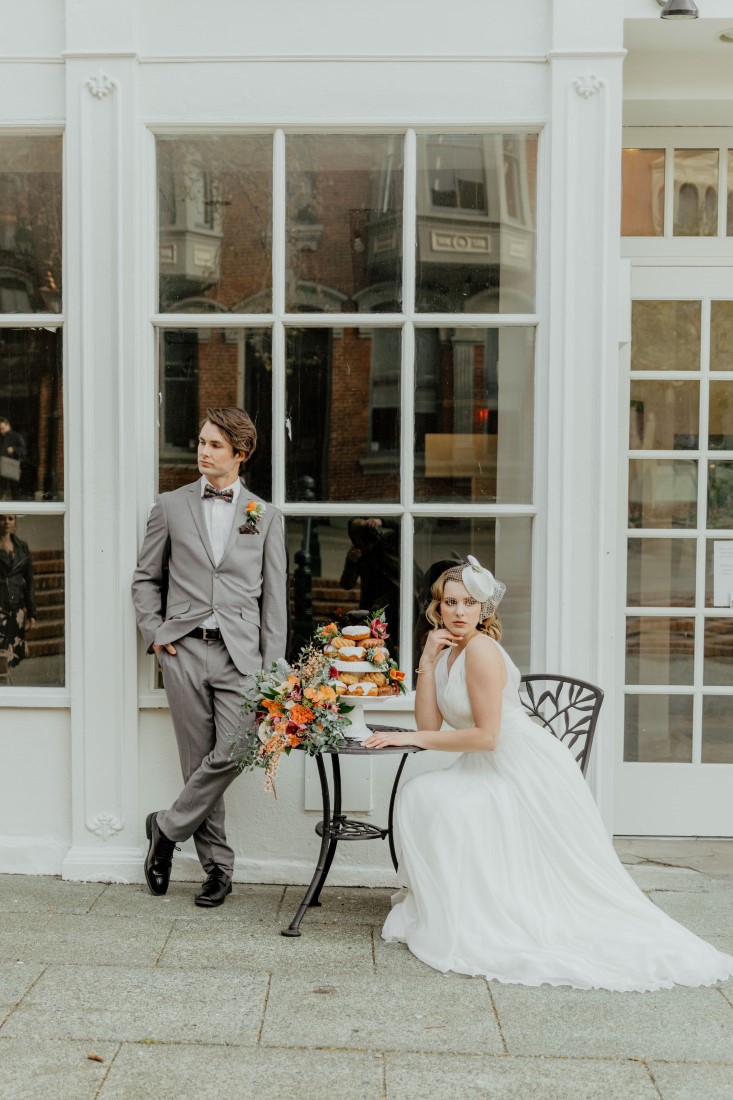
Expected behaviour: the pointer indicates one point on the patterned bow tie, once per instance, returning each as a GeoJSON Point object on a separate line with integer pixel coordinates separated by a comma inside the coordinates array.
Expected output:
{"type": "Point", "coordinates": [219, 494]}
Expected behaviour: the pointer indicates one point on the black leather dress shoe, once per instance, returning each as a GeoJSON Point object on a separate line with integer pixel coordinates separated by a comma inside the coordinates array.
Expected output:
{"type": "Point", "coordinates": [159, 859]}
{"type": "Point", "coordinates": [215, 890]}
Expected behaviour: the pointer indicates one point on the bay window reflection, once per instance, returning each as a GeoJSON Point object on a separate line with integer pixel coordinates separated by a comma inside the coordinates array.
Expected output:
{"type": "Point", "coordinates": [31, 396]}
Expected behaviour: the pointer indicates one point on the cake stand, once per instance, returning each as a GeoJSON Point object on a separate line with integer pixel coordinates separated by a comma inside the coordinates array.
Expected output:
{"type": "Point", "coordinates": [358, 730]}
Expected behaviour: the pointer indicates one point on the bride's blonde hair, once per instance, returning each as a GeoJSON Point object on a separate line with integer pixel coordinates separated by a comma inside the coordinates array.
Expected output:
{"type": "Point", "coordinates": [489, 624]}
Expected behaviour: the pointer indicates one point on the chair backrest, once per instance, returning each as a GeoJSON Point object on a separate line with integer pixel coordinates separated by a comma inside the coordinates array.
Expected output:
{"type": "Point", "coordinates": [566, 707]}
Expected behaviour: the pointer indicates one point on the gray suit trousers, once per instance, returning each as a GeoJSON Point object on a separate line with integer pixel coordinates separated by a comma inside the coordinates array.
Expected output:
{"type": "Point", "coordinates": [204, 689]}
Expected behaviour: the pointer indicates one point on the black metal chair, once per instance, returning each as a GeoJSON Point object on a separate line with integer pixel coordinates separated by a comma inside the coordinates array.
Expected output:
{"type": "Point", "coordinates": [567, 708]}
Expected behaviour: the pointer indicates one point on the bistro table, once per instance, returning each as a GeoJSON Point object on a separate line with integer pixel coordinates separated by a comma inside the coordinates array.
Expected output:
{"type": "Point", "coordinates": [335, 826]}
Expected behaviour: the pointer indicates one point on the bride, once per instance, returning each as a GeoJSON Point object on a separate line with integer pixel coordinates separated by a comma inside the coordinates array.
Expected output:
{"type": "Point", "coordinates": [510, 872]}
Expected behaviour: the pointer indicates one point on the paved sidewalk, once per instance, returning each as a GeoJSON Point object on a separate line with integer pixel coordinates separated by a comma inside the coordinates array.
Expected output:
{"type": "Point", "coordinates": [177, 1002]}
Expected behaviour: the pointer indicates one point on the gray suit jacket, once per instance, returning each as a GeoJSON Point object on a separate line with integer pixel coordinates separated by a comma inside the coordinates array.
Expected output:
{"type": "Point", "coordinates": [247, 590]}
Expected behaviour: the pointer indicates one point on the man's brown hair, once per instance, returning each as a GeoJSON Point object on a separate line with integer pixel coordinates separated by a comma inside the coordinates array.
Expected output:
{"type": "Point", "coordinates": [236, 426]}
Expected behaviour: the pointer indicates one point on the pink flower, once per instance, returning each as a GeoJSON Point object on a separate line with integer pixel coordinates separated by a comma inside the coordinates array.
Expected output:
{"type": "Point", "coordinates": [378, 628]}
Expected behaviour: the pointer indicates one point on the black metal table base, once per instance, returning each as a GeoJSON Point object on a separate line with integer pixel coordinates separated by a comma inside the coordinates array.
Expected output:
{"type": "Point", "coordinates": [336, 826]}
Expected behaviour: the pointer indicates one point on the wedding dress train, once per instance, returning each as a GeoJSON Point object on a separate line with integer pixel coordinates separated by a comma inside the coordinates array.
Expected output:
{"type": "Point", "coordinates": [511, 874]}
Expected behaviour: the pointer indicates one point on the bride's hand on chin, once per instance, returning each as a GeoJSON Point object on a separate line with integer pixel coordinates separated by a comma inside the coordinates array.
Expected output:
{"type": "Point", "coordinates": [435, 644]}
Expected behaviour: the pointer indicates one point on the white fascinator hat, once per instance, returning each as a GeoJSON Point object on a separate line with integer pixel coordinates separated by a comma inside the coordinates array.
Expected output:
{"type": "Point", "coordinates": [481, 584]}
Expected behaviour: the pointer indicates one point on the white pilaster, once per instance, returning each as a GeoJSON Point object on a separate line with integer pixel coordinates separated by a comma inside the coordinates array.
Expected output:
{"type": "Point", "coordinates": [584, 149]}
{"type": "Point", "coordinates": [100, 291]}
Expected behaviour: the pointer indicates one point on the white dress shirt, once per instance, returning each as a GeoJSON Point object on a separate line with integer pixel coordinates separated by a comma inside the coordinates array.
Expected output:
{"type": "Point", "coordinates": [219, 519]}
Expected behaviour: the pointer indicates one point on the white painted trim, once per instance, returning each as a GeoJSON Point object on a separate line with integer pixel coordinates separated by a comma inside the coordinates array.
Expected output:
{"type": "Point", "coordinates": [31, 855]}
{"type": "Point", "coordinates": [341, 59]}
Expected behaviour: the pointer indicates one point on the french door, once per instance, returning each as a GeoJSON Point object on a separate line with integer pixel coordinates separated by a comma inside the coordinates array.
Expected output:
{"type": "Point", "coordinates": [674, 759]}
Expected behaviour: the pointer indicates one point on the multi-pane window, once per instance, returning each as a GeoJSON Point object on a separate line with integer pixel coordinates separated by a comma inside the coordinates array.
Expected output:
{"type": "Point", "coordinates": [32, 615]}
{"type": "Point", "coordinates": [679, 617]}
{"type": "Point", "coordinates": [677, 192]}
{"type": "Point", "coordinates": [381, 333]}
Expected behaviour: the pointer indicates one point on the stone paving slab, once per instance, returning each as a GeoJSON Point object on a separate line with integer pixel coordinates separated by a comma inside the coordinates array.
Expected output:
{"type": "Point", "coordinates": [341, 905]}
{"type": "Point", "coordinates": [138, 1005]}
{"type": "Point", "coordinates": [15, 981]}
{"type": "Point", "coordinates": [674, 1024]}
{"type": "Point", "coordinates": [650, 877]}
{"type": "Point", "coordinates": [246, 903]}
{"type": "Point", "coordinates": [693, 1082]}
{"type": "Point", "coordinates": [51, 1069]}
{"type": "Point", "coordinates": [239, 946]}
{"type": "Point", "coordinates": [451, 1077]}
{"type": "Point", "coordinates": [704, 914]}
{"type": "Point", "coordinates": [46, 894]}
{"type": "Point", "coordinates": [66, 938]}
{"type": "Point", "coordinates": [180, 1073]}
{"type": "Point", "coordinates": [361, 1012]}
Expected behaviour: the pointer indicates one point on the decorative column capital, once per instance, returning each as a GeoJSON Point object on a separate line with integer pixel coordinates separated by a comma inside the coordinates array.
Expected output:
{"type": "Point", "coordinates": [100, 85]}
{"type": "Point", "coordinates": [587, 84]}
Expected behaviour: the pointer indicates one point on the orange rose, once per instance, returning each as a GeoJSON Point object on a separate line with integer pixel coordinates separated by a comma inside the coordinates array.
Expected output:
{"type": "Point", "coordinates": [272, 707]}
{"type": "Point", "coordinates": [251, 506]}
{"type": "Point", "coordinates": [301, 715]}
{"type": "Point", "coordinates": [397, 675]}
{"type": "Point", "coordinates": [379, 656]}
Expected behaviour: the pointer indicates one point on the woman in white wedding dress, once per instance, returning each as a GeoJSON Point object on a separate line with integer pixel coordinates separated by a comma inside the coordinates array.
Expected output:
{"type": "Point", "coordinates": [510, 873]}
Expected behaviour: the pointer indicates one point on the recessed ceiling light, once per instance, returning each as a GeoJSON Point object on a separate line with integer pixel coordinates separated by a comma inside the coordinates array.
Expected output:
{"type": "Point", "coordinates": [727, 36]}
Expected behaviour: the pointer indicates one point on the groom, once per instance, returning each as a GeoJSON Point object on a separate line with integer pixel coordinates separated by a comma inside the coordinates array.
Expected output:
{"type": "Point", "coordinates": [222, 552]}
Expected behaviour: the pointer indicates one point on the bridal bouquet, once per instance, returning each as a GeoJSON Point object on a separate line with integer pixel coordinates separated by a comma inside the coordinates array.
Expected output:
{"type": "Point", "coordinates": [294, 707]}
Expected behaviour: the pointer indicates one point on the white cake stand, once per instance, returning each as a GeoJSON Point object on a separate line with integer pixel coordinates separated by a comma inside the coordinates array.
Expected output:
{"type": "Point", "coordinates": [358, 730]}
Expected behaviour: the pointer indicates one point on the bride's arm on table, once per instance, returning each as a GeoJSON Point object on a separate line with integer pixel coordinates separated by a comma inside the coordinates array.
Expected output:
{"type": "Point", "coordinates": [485, 679]}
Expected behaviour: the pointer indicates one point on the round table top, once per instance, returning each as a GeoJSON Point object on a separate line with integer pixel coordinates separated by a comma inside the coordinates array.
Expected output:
{"type": "Point", "coordinates": [355, 748]}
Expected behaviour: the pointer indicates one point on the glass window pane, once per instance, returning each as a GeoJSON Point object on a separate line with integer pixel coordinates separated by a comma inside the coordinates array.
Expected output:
{"type": "Point", "coordinates": [31, 410]}
{"type": "Point", "coordinates": [695, 192]}
{"type": "Point", "coordinates": [664, 416]}
{"type": "Point", "coordinates": [32, 614]}
{"type": "Point", "coordinates": [344, 223]}
{"type": "Point", "coordinates": [642, 189]}
{"type": "Point", "coordinates": [214, 218]}
{"type": "Point", "coordinates": [212, 368]}
{"type": "Point", "coordinates": [343, 414]}
{"type": "Point", "coordinates": [720, 494]}
{"type": "Point", "coordinates": [474, 414]}
{"type": "Point", "coordinates": [662, 493]}
{"type": "Point", "coordinates": [338, 564]}
{"type": "Point", "coordinates": [661, 573]}
{"type": "Point", "coordinates": [717, 729]}
{"type": "Point", "coordinates": [665, 335]}
{"type": "Point", "coordinates": [721, 336]}
{"type": "Point", "coordinates": [720, 428]}
{"type": "Point", "coordinates": [30, 224]}
{"type": "Point", "coordinates": [718, 665]}
{"type": "Point", "coordinates": [659, 651]}
{"type": "Point", "coordinates": [502, 545]}
{"type": "Point", "coordinates": [658, 728]}
{"type": "Point", "coordinates": [709, 579]}
{"type": "Point", "coordinates": [476, 199]}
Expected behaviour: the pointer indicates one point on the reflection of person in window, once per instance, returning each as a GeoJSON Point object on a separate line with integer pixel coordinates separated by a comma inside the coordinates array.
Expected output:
{"type": "Point", "coordinates": [17, 601]}
{"type": "Point", "coordinates": [374, 561]}
{"type": "Point", "coordinates": [12, 446]}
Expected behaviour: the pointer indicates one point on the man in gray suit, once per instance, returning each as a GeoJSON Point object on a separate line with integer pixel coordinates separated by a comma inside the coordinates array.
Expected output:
{"type": "Point", "coordinates": [223, 553]}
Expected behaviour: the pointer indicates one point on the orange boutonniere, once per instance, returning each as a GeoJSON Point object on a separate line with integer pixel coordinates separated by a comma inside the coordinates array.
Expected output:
{"type": "Point", "coordinates": [254, 510]}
